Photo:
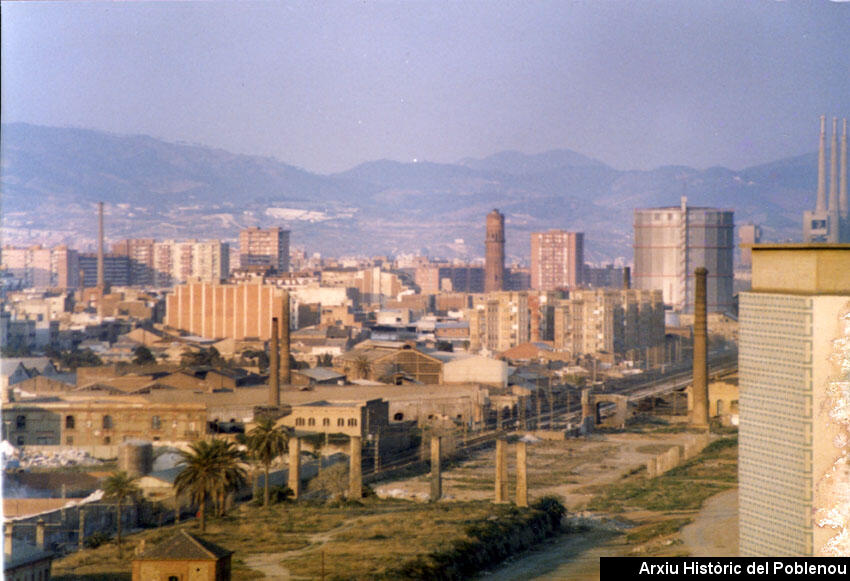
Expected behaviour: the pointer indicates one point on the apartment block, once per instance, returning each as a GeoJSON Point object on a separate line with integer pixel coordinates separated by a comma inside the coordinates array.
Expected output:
{"type": "Point", "coordinates": [610, 321]}
{"type": "Point", "coordinates": [557, 259]}
{"type": "Point", "coordinates": [264, 247]}
{"type": "Point", "coordinates": [449, 278]}
{"type": "Point", "coordinates": [498, 321]}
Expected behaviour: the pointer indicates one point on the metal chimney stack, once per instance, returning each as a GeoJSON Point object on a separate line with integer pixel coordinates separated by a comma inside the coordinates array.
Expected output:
{"type": "Point", "coordinates": [285, 371]}
{"type": "Point", "coordinates": [274, 367]}
{"type": "Point", "coordinates": [699, 413]}
{"type": "Point", "coordinates": [100, 280]}
{"type": "Point", "coordinates": [821, 201]}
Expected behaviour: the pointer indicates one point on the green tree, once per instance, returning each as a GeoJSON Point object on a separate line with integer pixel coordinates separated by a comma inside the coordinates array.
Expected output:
{"type": "Point", "coordinates": [325, 360]}
{"type": "Point", "coordinates": [266, 443]}
{"type": "Point", "coordinates": [143, 356]}
{"type": "Point", "coordinates": [210, 470]}
{"type": "Point", "coordinates": [362, 366]}
{"type": "Point", "coordinates": [119, 487]}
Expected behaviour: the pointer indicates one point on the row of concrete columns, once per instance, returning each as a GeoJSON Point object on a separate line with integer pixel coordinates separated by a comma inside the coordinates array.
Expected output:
{"type": "Point", "coordinates": [521, 472]}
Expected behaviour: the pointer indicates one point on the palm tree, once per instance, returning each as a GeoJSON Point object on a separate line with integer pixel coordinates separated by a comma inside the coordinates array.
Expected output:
{"type": "Point", "coordinates": [362, 366]}
{"type": "Point", "coordinates": [266, 443]}
{"type": "Point", "coordinates": [120, 487]}
{"type": "Point", "coordinates": [211, 469]}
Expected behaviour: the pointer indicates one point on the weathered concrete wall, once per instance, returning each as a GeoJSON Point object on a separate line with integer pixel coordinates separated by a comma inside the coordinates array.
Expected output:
{"type": "Point", "coordinates": [692, 446]}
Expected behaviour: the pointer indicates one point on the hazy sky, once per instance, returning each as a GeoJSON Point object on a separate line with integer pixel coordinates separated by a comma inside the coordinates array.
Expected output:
{"type": "Point", "coordinates": [327, 85]}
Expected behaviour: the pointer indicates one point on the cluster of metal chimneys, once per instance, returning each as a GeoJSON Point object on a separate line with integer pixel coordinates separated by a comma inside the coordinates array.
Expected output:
{"type": "Point", "coordinates": [838, 206]}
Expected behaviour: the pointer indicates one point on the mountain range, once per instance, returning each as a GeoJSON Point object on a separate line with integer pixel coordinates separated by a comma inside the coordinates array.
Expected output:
{"type": "Point", "coordinates": [52, 177]}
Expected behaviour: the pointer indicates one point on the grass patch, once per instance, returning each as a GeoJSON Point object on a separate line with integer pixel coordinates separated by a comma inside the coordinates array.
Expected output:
{"type": "Point", "coordinates": [656, 530]}
{"type": "Point", "coordinates": [683, 488]}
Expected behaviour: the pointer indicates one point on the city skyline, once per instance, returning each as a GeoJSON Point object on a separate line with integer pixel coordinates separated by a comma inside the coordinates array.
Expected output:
{"type": "Point", "coordinates": [325, 88]}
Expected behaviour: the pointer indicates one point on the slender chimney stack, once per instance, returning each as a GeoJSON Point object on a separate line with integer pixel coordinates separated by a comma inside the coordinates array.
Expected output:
{"type": "Point", "coordinates": [821, 201]}
{"type": "Point", "coordinates": [100, 281]}
{"type": "Point", "coordinates": [842, 195]}
{"type": "Point", "coordinates": [627, 277]}
{"type": "Point", "coordinates": [274, 367]}
{"type": "Point", "coordinates": [835, 225]}
{"type": "Point", "coordinates": [285, 371]}
{"type": "Point", "coordinates": [699, 417]}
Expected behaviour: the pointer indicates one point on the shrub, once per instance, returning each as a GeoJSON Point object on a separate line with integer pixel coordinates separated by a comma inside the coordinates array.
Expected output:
{"type": "Point", "coordinates": [95, 540]}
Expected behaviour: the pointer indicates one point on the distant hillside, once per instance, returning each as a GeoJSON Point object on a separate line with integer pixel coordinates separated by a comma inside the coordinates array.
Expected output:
{"type": "Point", "coordinates": [51, 178]}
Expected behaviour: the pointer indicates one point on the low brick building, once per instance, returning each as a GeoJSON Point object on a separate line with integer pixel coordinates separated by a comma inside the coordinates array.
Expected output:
{"type": "Point", "coordinates": [183, 557]}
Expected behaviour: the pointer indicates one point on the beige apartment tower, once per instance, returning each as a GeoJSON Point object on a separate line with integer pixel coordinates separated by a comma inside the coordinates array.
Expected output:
{"type": "Point", "coordinates": [794, 429]}
{"type": "Point", "coordinates": [264, 247]}
{"type": "Point", "coordinates": [557, 260]}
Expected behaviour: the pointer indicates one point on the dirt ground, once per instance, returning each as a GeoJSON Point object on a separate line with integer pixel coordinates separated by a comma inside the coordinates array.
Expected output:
{"type": "Point", "coordinates": [563, 468]}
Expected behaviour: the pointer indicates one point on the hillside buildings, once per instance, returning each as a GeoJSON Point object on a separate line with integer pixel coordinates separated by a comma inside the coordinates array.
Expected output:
{"type": "Point", "coordinates": [264, 247]}
{"type": "Point", "coordinates": [494, 252]}
{"type": "Point", "coordinates": [557, 260]}
{"type": "Point", "coordinates": [671, 242]}
{"type": "Point", "coordinates": [830, 223]}
{"type": "Point", "coordinates": [793, 353]}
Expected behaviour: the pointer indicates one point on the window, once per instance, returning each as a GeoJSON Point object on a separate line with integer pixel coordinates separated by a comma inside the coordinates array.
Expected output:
{"type": "Point", "coordinates": [352, 421]}
{"type": "Point", "coordinates": [156, 423]}
{"type": "Point", "coordinates": [398, 417]}
{"type": "Point", "coordinates": [299, 421]}
{"type": "Point", "coordinates": [173, 578]}
{"type": "Point", "coordinates": [340, 422]}
{"type": "Point", "coordinates": [311, 422]}
{"type": "Point", "coordinates": [107, 440]}
{"type": "Point", "coordinates": [69, 422]}
{"type": "Point", "coordinates": [107, 422]}
{"type": "Point", "coordinates": [21, 422]}
{"type": "Point", "coordinates": [326, 421]}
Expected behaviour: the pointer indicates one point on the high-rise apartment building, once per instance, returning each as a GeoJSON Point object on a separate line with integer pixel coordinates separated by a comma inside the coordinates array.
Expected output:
{"type": "Point", "coordinates": [671, 242]}
{"type": "Point", "coordinates": [264, 247]}
{"type": "Point", "coordinates": [141, 255]}
{"type": "Point", "coordinates": [557, 259]}
{"type": "Point", "coordinates": [794, 428]}
{"type": "Point", "coordinates": [116, 269]}
{"type": "Point", "coordinates": [176, 262]}
{"type": "Point", "coordinates": [40, 267]}
{"type": "Point", "coordinates": [494, 252]}
{"type": "Point", "coordinates": [498, 321]}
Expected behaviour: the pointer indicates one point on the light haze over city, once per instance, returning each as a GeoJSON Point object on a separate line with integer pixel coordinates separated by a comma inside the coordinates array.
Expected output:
{"type": "Point", "coordinates": [325, 87]}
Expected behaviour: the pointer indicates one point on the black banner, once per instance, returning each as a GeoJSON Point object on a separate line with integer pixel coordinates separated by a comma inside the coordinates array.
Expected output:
{"type": "Point", "coordinates": [618, 568]}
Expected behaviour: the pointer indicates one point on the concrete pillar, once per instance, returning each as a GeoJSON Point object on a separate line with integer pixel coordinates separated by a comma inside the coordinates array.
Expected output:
{"type": "Point", "coordinates": [436, 476]}
{"type": "Point", "coordinates": [521, 473]}
{"type": "Point", "coordinates": [81, 533]}
{"type": "Point", "coordinates": [355, 469]}
{"type": "Point", "coordinates": [8, 531]}
{"type": "Point", "coordinates": [501, 471]}
{"type": "Point", "coordinates": [699, 416]}
{"type": "Point", "coordinates": [285, 371]}
{"type": "Point", "coordinates": [274, 366]}
{"type": "Point", "coordinates": [39, 533]}
{"type": "Point", "coordinates": [295, 466]}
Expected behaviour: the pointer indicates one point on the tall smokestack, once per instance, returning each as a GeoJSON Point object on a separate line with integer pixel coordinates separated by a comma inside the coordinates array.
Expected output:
{"type": "Point", "coordinates": [842, 195]}
{"type": "Point", "coordinates": [274, 367]}
{"type": "Point", "coordinates": [627, 277]}
{"type": "Point", "coordinates": [699, 417]}
{"type": "Point", "coordinates": [285, 371]}
{"type": "Point", "coordinates": [494, 252]}
{"type": "Point", "coordinates": [100, 281]}
{"type": "Point", "coordinates": [821, 201]}
{"type": "Point", "coordinates": [833, 169]}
